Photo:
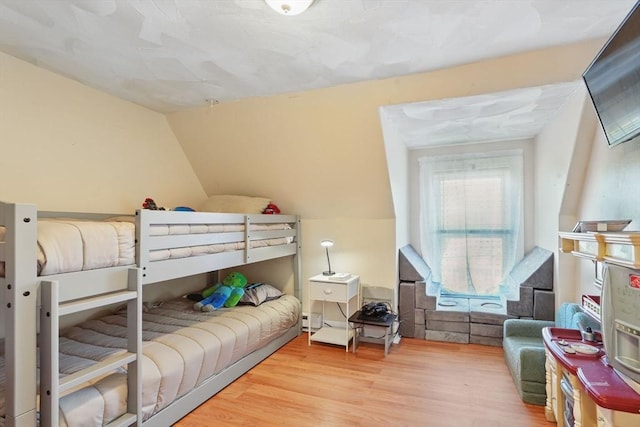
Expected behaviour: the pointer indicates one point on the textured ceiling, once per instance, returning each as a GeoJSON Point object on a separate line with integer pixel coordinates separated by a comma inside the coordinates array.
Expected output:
{"type": "Point", "coordinates": [510, 115]}
{"type": "Point", "coordinates": [174, 54]}
{"type": "Point", "coordinates": [170, 55]}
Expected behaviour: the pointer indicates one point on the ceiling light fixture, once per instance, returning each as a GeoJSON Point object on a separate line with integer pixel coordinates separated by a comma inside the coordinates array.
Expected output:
{"type": "Point", "coordinates": [289, 7]}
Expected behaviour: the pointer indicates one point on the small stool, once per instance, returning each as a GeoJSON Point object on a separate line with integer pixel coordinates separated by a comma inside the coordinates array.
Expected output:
{"type": "Point", "coordinates": [385, 326]}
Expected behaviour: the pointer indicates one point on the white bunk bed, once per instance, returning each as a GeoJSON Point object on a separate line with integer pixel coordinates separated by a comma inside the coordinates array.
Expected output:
{"type": "Point", "coordinates": [169, 245]}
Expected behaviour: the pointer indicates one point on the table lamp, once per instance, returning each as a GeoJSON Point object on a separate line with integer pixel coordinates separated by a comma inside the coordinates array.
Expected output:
{"type": "Point", "coordinates": [327, 244]}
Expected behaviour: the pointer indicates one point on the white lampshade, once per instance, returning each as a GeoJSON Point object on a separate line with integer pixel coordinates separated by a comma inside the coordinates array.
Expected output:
{"type": "Point", "coordinates": [289, 7]}
{"type": "Point", "coordinates": [326, 243]}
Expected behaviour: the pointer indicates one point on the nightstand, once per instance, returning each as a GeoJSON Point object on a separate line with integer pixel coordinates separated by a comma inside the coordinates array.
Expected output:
{"type": "Point", "coordinates": [340, 288]}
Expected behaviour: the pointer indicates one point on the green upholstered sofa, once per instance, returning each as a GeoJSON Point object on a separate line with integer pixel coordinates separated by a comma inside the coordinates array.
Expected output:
{"type": "Point", "coordinates": [524, 349]}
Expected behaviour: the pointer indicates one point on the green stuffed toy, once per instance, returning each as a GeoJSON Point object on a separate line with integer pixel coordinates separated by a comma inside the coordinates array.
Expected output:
{"type": "Point", "coordinates": [227, 293]}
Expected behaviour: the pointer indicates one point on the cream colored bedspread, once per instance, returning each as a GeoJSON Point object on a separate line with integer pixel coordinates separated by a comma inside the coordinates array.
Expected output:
{"type": "Point", "coordinates": [181, 349]}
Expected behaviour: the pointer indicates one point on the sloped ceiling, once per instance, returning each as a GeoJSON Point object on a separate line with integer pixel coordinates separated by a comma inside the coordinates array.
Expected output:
{"type": "Point", "coordinates": [174, 54]}
{"type": "Point", "coordinates": [171, 55]}
{"type": "Point", "coordinates": [509, 115]}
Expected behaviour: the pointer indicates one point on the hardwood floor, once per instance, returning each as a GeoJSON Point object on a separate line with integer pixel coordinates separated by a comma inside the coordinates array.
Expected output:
{"type": "Point", "coordinates": [420, 383]}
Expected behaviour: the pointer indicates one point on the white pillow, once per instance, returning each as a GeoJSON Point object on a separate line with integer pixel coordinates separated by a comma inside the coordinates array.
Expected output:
{"type": "Point", "coordinates": [235, 204]}
{"type": "Point", "coordinates": [256, 295]}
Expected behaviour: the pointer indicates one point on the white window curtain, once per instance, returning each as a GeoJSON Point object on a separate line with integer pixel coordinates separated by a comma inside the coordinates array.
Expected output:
{"type": "Point", "coordinates": [471, 219]}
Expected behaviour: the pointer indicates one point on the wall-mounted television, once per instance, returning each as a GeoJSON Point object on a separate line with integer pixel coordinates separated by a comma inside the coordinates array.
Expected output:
{"type": "Point", "coordinates": [613, 81]}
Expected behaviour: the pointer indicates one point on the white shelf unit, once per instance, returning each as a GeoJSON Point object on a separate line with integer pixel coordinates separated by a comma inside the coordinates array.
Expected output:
{"type": "Point", "coordinates": [340, 289]}
{"type": "Point", "coordinates": [621, 248]}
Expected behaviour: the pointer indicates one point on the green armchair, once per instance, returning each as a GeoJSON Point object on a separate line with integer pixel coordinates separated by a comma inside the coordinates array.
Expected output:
{"type": "Point", "coordinates": [524, 349]}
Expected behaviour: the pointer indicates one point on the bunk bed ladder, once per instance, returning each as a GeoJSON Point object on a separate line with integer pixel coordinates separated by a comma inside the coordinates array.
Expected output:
{"type": "Point", "coordinates": [53, 387]}
{"type": "Point", "coordinates": [297, 265]}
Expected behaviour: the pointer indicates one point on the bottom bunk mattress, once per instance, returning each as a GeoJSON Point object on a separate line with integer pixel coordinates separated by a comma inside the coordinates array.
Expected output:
{"type": "Point", "coordinates": [181, 349]}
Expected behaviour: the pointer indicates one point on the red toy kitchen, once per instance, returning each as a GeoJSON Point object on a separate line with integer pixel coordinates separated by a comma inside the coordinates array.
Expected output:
{"type": "Point", "coordinates": [593, 378]}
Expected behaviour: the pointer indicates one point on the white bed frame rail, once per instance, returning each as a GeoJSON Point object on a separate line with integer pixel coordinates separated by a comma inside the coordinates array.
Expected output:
{"type": "Point", "coordinates": [20, 292]}
{"type": "Point", "coordinates": [156, 271]}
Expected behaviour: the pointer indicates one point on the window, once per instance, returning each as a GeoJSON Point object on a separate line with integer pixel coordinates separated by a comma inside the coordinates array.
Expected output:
{"type": "Point", "coordinates": [471, 220]}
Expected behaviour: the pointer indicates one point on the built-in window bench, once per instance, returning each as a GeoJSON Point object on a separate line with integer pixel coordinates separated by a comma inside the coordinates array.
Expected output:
{"type": "Point", "coordinates": [426, 314]}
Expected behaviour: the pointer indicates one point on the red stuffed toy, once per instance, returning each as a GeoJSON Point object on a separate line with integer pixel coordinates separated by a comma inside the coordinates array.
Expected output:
{"type": "Point", "coordinates": [271, 209]}
{"type": "Point", "coordinates": [150, 204]}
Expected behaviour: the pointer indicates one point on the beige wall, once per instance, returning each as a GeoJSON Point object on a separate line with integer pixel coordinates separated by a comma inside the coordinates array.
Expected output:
{"type": "Point", "coordinates": [321, 153]}
{"type": "Point", "coordinates": [67, 147]}
{"type": "Point", "coordinates": [611, 191]}
{"type": "Point", "coordinates": [561, 154]}
{"type": "Point", "coordinates": [397, 155]}
{"type": "Point", "coordinates": [579, 177]}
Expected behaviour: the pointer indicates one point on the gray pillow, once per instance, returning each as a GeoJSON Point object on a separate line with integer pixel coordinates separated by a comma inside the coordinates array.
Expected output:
{"type": "Point", "coordinates": [256, 295]}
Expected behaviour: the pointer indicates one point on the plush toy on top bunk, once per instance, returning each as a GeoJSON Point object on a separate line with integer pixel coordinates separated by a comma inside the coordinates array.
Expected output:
{"type": "Point", "coordinates": [271, 209]}
{"type": "Point", "coordinates": [227, 294]}
{"type": "Point", "coordinates": [150, 204]}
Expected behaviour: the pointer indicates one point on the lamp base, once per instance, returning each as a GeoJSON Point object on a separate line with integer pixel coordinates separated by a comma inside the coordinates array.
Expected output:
{"type": "Point", "coordinates": [328, 273]}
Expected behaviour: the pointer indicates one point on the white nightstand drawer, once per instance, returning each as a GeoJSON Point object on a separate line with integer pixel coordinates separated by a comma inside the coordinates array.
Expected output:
{"type": "Point", "coordinates": [328, 291]}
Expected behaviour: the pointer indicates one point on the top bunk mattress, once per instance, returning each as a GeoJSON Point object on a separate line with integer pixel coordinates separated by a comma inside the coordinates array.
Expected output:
{"type": "Point", "coordinates": [70, 245]}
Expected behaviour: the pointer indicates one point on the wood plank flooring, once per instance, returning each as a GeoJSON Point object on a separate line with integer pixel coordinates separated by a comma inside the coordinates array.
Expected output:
{"type": "Point", "coordinates": [420, 383]}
